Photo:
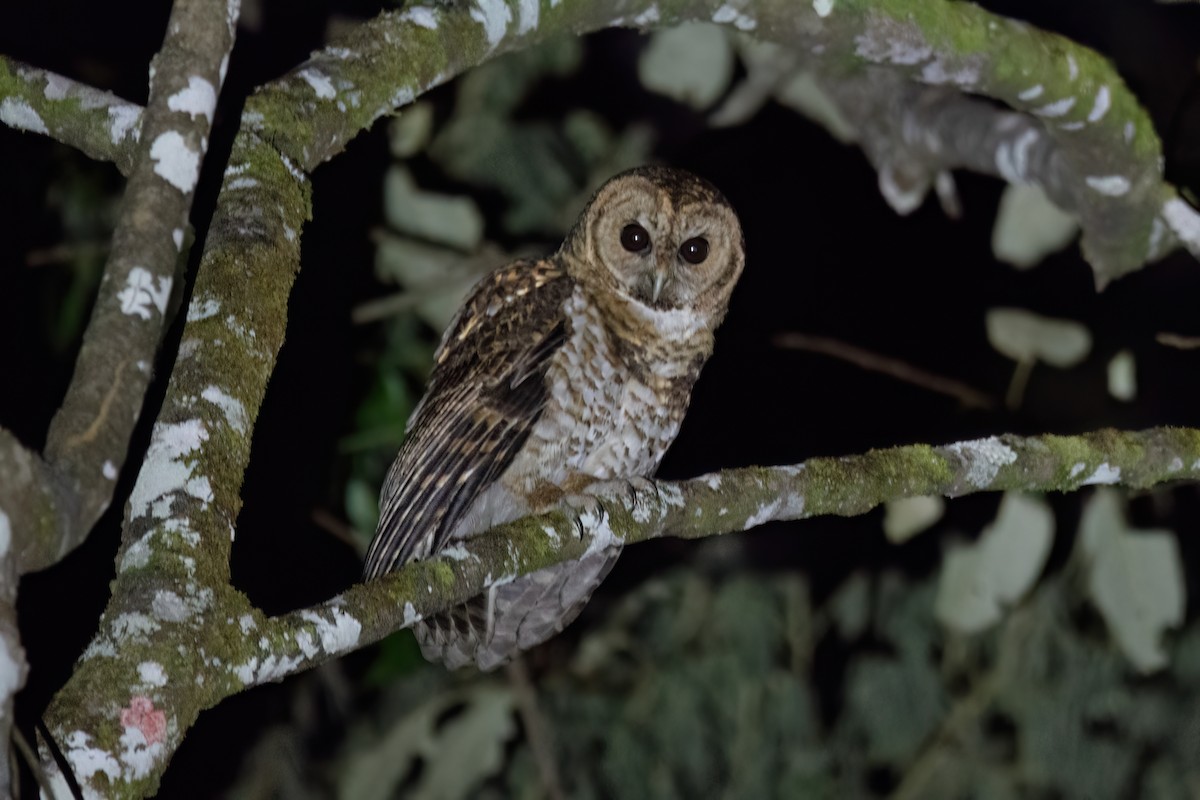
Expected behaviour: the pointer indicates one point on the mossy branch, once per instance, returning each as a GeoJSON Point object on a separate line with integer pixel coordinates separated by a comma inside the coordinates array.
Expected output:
{"type": "Point", "coordinates": [88, 437]}
{"type": "Point", "coordinates": [98, 123]}
{"type": "Point", "coordinates": [724, 502]}
{"type": "Point", "coordinates": [181, 653]}
{"type": "Point", "coordinates": [916, 134]}
{"type": "Point", "coordinates": [1107, 157]}
{"type": "Point", "coordinates": [176, 638]}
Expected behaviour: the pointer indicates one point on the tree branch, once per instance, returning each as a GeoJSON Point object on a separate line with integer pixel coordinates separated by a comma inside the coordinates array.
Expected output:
{"type": "Point", "coordinates": [186, 653]}
{"type": "Point", "coordinates": [724, 502]}
{"type": "Point", "coordinates": [98, 123]}
{"type": "Point", "coordinates": [1104, 137]}
{"type": "Point", "coordinates": [171, 597]}
{"type": "Point", "coordinates": [176, 638]}
{"type": "Point", "coordinates": [913, 133]}
{"type": "Point", "coordinates": [88, 437]}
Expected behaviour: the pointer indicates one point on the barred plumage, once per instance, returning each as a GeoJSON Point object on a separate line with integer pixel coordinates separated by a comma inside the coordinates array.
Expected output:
{"type": "Point", "coordinates": [555, 374]}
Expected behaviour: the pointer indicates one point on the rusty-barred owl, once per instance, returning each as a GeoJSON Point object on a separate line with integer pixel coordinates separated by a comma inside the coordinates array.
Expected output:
{"type": "Point", "coordinates": [555, 374]}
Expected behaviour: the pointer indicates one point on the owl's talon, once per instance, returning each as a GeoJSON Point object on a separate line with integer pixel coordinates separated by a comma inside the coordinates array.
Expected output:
{"type": "Point", "coordinates": [582, 505]}
{"type": "Point", "coordinates": [634, 488]}
{"type": "Point", "coordinates": [639, 486]}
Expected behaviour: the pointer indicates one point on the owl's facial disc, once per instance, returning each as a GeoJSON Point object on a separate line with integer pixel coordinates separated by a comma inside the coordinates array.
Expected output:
{"type": "Point", "coordinates": [666, 260]}
{"type": "Point", "coordinates": [663, 239]}
{"type": "Point", "coordinates": [649, 270]}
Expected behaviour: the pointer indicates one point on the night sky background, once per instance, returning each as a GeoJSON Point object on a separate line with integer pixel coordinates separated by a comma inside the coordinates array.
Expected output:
{"type": "Point", "coordinates": [825, 256]}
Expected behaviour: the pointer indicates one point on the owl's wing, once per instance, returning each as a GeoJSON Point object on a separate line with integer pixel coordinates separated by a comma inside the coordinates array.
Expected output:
{"type": "Point", "coordinates": [486, 393]}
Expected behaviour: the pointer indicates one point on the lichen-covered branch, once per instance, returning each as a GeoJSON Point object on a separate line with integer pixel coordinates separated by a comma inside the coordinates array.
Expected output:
{"type": "Point", "coordinates": [96, 122]}
{"type": "Point", "coordinates": [157, 665]}
{"type": "Point", "coordinates": [314, 111]}
{"type": "Point", "coordinates": [88, 437]}
{"type": "Point", "coordinates": [13, 668]}
{"type": "Point", "coordinates": [724, 502]}
{"type": "Point", "coordinates": [176, 638]}
{"type": "Point", "coordinates": [163, 649]}
{"type": "Point", "coordinates": [1104, 138]}
{"type": "Point", "coordinates": [914, 133]}
{"type": "Point", "coordinates": [1075, 127]}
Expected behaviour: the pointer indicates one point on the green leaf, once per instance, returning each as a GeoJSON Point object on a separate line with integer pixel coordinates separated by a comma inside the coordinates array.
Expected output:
{"type": "Point", "coordinates": [1029, 227]}
{"type": "Point", "coordinates": [454, 758]}
{"type": "Point", "coordinates": [388, 402]}
{"type": "Point", "coordinates": [850, 606]}
{"type": "Point", "coordinates": [409, 132]}
{"type": "Point", "coordinates": [438, 280]}
{"type": "Point", "coordinates": [498, 87]}
{"type": "Point", "coordinates": [896, 703]}
{"type": "Point", "coordinates": [1122, 376]}
{"type": "Point", "coordinates": [978, 581]}
{"type": "Point", "coordinates": [903, 614]}
{"type": "Point", "coordinates": [692, 64]}
{"type": "Point", "coordinates": [362, 505]}
{"type": "Point", "coordinates": [441, 218]}
{"type": "Point", "coordinates": [398, 655]}
{"type": "Point", "coordinates": [1135, 579]}
{"type": "Point", "coordinates": [481, 731]}
{"type": "Point", "coordinates": [908, 516]}
{"type": "Point", "coordinates": [1026, 337]}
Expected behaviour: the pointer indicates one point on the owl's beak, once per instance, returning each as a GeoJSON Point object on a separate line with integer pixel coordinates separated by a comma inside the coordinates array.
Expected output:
{"type": "Point", "coordinates": [660, 280]}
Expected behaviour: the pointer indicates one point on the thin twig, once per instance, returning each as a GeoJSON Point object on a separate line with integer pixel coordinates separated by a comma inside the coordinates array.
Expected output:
{"type": "Point", "coordinates": [537, 729]}
{"type": "Point", "coordinates": [62, 253]}
{"type": "Point", "coordinates": [386, 307]}
{"type": "Point", "coordinates": [100, 124]}
{"type": "Point", "coordinates": [1178, 341]}
{"type": "Point", "coordinates": [1016, 387]}
{"type": "Point", "coordinates": [900, 370]}
{"type": "Point", "coordinates": [339, 530]}
{"type": "Point", "coordinates": [31, 761]}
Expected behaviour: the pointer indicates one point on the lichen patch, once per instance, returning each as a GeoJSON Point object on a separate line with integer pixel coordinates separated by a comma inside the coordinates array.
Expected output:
{"type": "Point", "coordinates": [337, 634]}
{"type": "Point", "coordinates": [197, 99]}
{"type": "Point", "coordinates": [495, 17]}
{"type": "Point", "coordinates": [167, 471]}
{"type": "Point", "coordinates": [142, 292]}
{"type": "Point", "coordinates": [983, 459]}
{"type": "Point", "coordinates": [175, 161]}
{"type": "Point", "coordinates": [1104, 474]}
{"type": "Point", "coordinates": [17, 113]}
{"type": "Point", "coordinates": [321, 85]}
{"type": "Point", "coordinates": [231, 407]}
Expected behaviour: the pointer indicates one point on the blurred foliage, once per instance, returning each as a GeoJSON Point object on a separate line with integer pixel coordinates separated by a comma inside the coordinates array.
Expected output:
{"type": "Point", "coordinates": [702, 684]}
{"type": "Point", "coordinates": [1029, 227]}
{"type": "Point", "coordinates": [84, 194]}
{"type": "Point", "coordinates": [691, 64]}
{"type": "Point", "coordinates": [999, 672]}
{"type": "Point", "coordinates": [979, 580]}
{"type": "Point", "coordinates": [379, 422]}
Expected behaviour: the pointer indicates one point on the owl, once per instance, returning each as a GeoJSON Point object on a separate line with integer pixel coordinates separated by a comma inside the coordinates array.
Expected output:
{"type": "Point", "coordinates": [555, 374]}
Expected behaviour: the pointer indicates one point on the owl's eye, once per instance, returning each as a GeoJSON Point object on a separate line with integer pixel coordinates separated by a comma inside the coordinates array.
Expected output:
{"type": "Point", "coordinates": [634, 238]}
{"type": "Point", "coordinates": [694, 250]}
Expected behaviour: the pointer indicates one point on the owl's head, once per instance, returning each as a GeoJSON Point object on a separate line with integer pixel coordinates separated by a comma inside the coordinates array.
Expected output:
{"type": "Point", "coordinates": [662, 238]}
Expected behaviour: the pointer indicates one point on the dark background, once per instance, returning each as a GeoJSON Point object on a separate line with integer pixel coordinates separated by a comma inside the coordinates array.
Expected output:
{"type": "Point", "coordinates": [826, 256]}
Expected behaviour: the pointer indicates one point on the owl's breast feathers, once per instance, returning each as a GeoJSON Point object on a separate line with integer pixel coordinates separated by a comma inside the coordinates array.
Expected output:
{"type": "Point", "coordinates": [536, 380]}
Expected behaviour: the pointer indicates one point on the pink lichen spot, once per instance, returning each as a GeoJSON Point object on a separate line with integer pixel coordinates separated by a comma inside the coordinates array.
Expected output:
{"type": "Point", "coordinates": [144, 717]}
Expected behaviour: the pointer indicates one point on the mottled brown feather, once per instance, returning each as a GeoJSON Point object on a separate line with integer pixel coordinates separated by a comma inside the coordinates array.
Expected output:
{"type": "Point", "coordinates": [486, 393]}
{"type": "Point", "coordinates": [556, 374]}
